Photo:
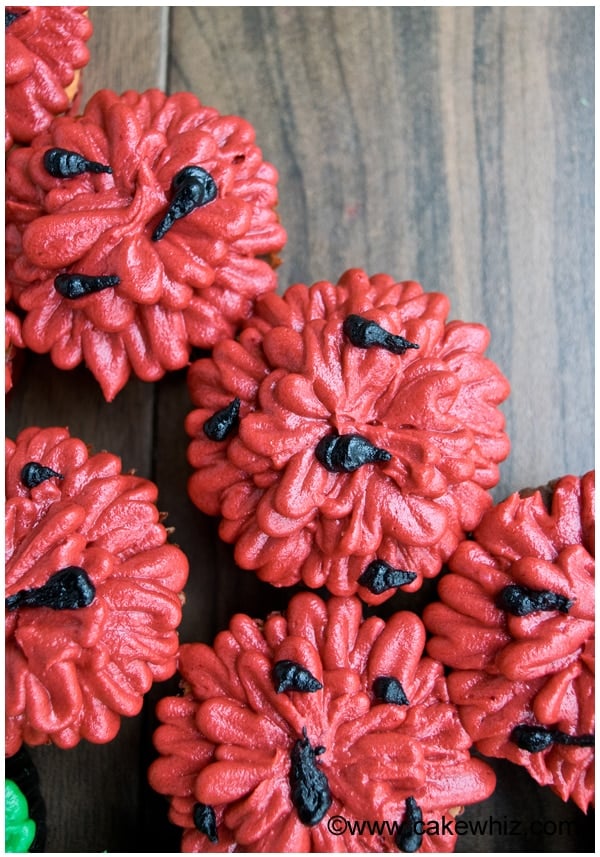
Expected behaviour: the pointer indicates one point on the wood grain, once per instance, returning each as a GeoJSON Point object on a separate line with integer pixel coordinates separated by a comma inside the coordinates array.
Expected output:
{"type": "Point", "coordinates": [452, 145]}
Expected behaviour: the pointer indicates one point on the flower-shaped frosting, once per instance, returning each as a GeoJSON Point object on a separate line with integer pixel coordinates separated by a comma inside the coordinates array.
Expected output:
{"type": "Point", "coordinates": [44, 48]}
{"type": "Point", "coordinates": [516, 625]}
{"type": "Point", "coordinates": [93, 592]}
{"type": "Point", "coordinates": [134, 232]}
{"type": "Point", "coordinates": [349, 436]}
{"type": "Point", "coordinates": [286, 726]}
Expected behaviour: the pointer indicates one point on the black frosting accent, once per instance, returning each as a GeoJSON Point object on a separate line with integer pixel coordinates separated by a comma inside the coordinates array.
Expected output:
{"type": "Point", "coordinates": [75, 286]}
{"type": "Point", "coordinates": [63, 164]}
{"type": "Point", "coordinates": [534, 739]}
{"type": "Point", "coordinates": [389, 689]}
{"type": "Point", "coordinates": [310, 791]}
{"type": "Point", "coordinates": [193, 187]}
{"type": "Point", "coordinates": [365, 333]}
{"type": "Point", "coordinates": [409, 837]}
{"type": "Point", "coordinates": [223, 422]}
{"type": "Point", "coordinates": [379, 576]}
{"type": "Point", "coordinates": [34, 474]}
{"type": "Point", "coordinates": [205, 821]}
{"type": "Point", "coordinates": [344, 453]}
{"type": "Point", "coordinates": [10, 18]}
{"type": "Point", "coordinates": [67, 589]}
{"type": "Point", "coordinates": [289, 675]}
{"type": "Point", "coordinates": [521, 601]}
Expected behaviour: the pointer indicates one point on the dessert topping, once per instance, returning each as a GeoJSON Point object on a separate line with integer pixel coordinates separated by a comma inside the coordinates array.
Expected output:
{"type": "Point", "coordinates": [223, 422]}
{"type": "Point", "coordinates": [534, 739]}
{"type": "Point", "coordinates": [289, 675]}
{"type": "Point", "coordinates": [67, 589]}
{"type": "Point", "coordinates": [73, 286]}
{"type": "Point", "coordinates": [10, 18]}
{"type": "Point", "coordinates": [205, 821]}
{"type": "Point", "coordinates": [63, 164]}
{"type": "Point", "coordinates": [379, 576]}
{"type": "Point", "coordinates": [365, 333]}
{"type": "Point", "coordinates": [34, 474]}
{"type": "Point", "coordinates": [521, 600]}
{"type": "Point", "coordinates": [409, 837]}
{"type": "Point", "coordinates": [388, 689]}
{"type": "Point", "coordinates": [192, 187]}
{"type": "Point", "coordinates": [345, 453]}
{"type": "Point", "coordinates": [310, 789]}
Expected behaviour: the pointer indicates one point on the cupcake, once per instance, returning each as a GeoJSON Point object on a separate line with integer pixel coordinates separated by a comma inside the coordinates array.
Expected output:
{"type": "Point", "coordinates": [348, 437]}
{"type": "Point", "coordinates": [515, 623]}
{"type": "Point", "coordinates": [138, 230]}
{"type": "Point", "coordinates": [293, 732]}
{"type": "Point", "coordinates": [24, 809]}
{"type": "Point", "coordinates": [45, 48]}
{"type": "Point", "coordinates": [93, 592]}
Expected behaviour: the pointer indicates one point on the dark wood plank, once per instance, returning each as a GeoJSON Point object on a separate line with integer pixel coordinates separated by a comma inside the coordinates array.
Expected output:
{"type": "Point", "coordinates": [452, 145]}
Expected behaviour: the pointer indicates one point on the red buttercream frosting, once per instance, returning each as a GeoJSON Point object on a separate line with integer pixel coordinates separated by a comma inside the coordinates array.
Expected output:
{"type": "Point", "coordinates": [298, 379]}
{"type": "Point", "coordinates": [190, 287]}
{"type": "Point", "coordinates": [13, 339]}
{"type": "Point", "coordinates": [72, 673]}
{"type": "Point", "coordinates": [535, 669]}
{"type": "Point", "coordinates": [226, 745]}
{"type": "Point", "coordinates": [44, 47]}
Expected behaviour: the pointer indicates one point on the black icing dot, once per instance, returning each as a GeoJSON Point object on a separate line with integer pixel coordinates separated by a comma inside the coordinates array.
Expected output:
{"type": "Point", "coordinates": [73, 286]}
{"type": "Point", "coordinates": [344, 453]}
{"type": "Point", "coordinates": [192, 187]}
{"type": "Point", "coordinates": [289, 675]}
{"type": "Point", "coordinates": [534, 738]}
{"type": "Point", "coordinates": [67, 589]}
{"type": "Point", "coordinates": [365, 333]}
{"type": "Point", "coordinates": [63, 164]}
{"type": "Point", "coordinates": [410, 836]}
{"type": "Point", "coordinates": [389, 689]}
{"type": "Point", "coordinates": [10, 18]}
{"type": "Point", "coordinates": [310, 791]}
{"type": "Point", "coordinates": [379, 576]}
{"type": "Point", "coordinates": [34, 474]}
{"type": "Point", "coordinates": [521, 601]}
{"type": "Point", "coordinates": [223, 422]}
{"type": "Point", "coordinates": [205, 821]}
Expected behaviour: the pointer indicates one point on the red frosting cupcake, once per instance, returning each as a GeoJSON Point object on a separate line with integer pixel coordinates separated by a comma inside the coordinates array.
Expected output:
{"type": "Point", "coordinates": [134, 233]}
{"type": "Point", "coordinates": [45, 46]}
{"type": "Point", "coordinates": [349, 437]}
{"type": "Point", "coordinates": [516, 625]}
{"type": "Point", "coordinates": [292, 731]}
{"type": "Point", "coordinates": [93, 592]}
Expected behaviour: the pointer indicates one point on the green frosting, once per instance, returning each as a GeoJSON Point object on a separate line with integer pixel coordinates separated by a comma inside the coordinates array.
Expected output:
{"type": "Point", "coordinates": [19, 830]}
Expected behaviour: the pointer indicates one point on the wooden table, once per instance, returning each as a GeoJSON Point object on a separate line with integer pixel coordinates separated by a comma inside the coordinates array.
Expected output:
{"type": "Point", "coordinates": [449, 145]}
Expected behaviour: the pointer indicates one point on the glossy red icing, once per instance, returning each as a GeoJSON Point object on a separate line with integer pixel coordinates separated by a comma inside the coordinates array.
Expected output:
{"type": "Point", "coordinates": [44, 46]}
{"type": "Point", "coordinates": [537, 668]}
{"type": "Point", "coordinates": [190, 288]}
{"type": "Point", "coordinates": [227, 742]}
{"type": "Point", "coordinates": [13, 339]}
{"type": "Point", "coordinates": [298, 378]}
{"type": "Point", "coordinates": [72, 673]}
